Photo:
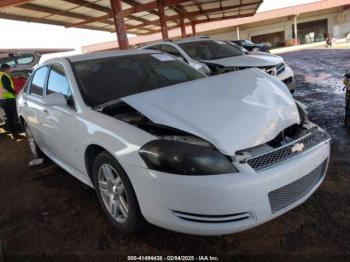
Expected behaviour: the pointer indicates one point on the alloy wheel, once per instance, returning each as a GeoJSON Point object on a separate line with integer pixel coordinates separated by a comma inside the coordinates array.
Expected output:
{"type": "Point", "coordinates": [113, 193]}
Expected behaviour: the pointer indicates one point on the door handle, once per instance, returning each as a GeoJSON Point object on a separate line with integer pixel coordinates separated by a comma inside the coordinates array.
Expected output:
{"type": "Point", "coordinates": [45, 111]}
{"type": "Point", "coordinates": [25, 104]}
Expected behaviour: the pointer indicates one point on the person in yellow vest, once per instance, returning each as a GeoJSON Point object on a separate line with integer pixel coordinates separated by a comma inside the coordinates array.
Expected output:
{"type": "Point", "coordinates": [8, 98]}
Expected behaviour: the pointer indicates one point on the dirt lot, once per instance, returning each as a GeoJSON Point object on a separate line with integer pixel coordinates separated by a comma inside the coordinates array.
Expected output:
{"type": "Point", "coordinates": [46, 212]}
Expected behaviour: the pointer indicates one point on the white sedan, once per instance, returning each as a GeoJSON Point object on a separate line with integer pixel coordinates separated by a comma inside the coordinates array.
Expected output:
{"type": "Point", "coordinates": [215, 57]}
{"type": "Point", "coordinates": [162, 143]}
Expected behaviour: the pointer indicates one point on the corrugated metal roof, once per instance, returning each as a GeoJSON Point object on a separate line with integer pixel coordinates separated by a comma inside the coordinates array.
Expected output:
{"type": "Point", "coordinates": [222, 24]}
{"type": "Point", "coordinates": [97, 14]}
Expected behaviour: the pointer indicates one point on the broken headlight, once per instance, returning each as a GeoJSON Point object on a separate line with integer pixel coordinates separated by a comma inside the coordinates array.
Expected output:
{"type": "Point", "coordinates": [185, 159]}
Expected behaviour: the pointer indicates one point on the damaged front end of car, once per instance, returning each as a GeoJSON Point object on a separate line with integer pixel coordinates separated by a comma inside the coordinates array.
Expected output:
{"type": "Point", "coordinates": [173, 151]}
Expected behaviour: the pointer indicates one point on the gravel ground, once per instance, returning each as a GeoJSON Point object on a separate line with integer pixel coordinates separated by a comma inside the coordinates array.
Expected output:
{"type": "Point", "coordinates": [46, 212]}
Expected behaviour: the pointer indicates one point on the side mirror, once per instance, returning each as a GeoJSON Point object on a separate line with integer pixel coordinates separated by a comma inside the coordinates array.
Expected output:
{"type": "Point", "coordinates": [55, 99]}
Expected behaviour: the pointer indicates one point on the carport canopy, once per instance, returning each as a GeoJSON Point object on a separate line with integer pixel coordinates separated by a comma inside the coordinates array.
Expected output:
{"type": "Point", "coordinates": [140, 17]}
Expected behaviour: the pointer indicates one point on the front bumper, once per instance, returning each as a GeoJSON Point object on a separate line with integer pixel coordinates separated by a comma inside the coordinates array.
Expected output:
{"type": "Point", "coordinates": [221, 204]}
{"type": "Point", "coordinates": [287, 77]}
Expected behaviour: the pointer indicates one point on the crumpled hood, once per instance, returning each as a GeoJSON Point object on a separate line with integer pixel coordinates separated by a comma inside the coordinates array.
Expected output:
{"type": "Point", "coordinates": [233, 111]}
{"type": "Point", "coordinates": [249, 60]}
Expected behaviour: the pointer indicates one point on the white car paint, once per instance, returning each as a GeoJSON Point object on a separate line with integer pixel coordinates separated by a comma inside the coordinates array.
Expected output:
{"type": "Point", "coordinates": [272, 113]}
{"type": "Point", "coordinates": [249, 60]}
{"type": "Point", "coordinates": [254, 106]}
{"type": "Point", "coordinates": [12, 56]}
{"type": "Point", "coordinates": [254, 59]}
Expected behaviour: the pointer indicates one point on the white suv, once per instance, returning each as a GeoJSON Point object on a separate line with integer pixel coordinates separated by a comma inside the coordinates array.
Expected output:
{"type": "Point", "coordinates": [214, 57]}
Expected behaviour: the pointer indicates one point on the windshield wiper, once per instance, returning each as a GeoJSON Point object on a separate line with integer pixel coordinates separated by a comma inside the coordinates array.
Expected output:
{"type": "Point", "coordinates": [107, 104]}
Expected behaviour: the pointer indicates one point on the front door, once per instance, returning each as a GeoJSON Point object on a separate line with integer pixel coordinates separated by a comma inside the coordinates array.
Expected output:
{"type": "Point", "coordinates": [59, 121]}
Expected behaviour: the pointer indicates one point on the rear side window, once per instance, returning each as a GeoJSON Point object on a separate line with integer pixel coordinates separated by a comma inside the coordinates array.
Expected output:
{"type": "Point", "coordinates": [38, 82]}
{"type": "Point", "coordinates": [58, 82]}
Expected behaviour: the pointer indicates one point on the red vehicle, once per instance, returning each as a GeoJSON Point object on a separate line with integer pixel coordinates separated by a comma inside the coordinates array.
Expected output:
{"type": "Point", "coordinates": [20, 78]}
{"type": "Point", "coordinates": [22, 65]}
{"type": "Point", "coordinates": [22, 62]}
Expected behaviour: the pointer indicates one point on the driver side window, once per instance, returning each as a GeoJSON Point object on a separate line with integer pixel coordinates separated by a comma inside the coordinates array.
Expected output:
{"type": "Point", "coordinates": [58, 83]}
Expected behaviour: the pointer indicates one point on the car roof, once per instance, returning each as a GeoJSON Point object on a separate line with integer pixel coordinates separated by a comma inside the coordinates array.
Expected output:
{"type": "Point", "coordinates": [193, 39]}
{"type": "Point", "coordinates": [97, 55]}
{"type": "Point", "coordinates": [181, 41]}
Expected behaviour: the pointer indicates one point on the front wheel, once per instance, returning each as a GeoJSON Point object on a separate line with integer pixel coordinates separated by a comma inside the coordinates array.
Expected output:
{"type": "Point", "coordinates": [116, 194]}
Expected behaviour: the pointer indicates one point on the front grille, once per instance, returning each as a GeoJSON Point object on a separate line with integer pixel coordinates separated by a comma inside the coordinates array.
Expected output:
{"type": "Point", "coordinates": [200, 218]}
{"type": "Point", "coordinates": [291, 193]}
{"type": "Point", "coordinates": [278, 155]}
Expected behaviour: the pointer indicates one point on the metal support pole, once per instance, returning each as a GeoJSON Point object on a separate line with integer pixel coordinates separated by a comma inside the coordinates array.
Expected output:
{"type": "Point", "coordinates": [162, 19]}
{"type": "Point", "coordinates": [120, 27]}
{"type": "Point", "coordinates": [194, 33]}
{"type": "Point", "coordinates": [183, 28]}
{"type": "Point", "coordinates": [295, 31]}
{"type": "Point", "coordinates": [237, 31]}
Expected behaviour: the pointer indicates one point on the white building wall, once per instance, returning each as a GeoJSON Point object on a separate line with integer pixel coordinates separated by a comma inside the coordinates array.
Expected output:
{"type": "Point", "coordinates": [230, 35]}
{"type": "Point", "coordinates": [341, 25]}
{"type": "Point", "coordinates": [338, 26]}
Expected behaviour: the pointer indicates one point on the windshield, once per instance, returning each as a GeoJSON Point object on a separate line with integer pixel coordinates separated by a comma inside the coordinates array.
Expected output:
{"type": "Point", "coordinates": [247, 43]}
{"type": "Point", "coordinates": [210, 50]}
{"type": "Point", "coordinates": [107, 79]}
{"type": "Point", "coordinates": [239, 47]}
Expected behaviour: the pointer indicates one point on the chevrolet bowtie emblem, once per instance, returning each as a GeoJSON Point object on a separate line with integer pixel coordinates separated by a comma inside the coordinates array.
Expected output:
{"type": "Point", "coordinates": [298, 147]}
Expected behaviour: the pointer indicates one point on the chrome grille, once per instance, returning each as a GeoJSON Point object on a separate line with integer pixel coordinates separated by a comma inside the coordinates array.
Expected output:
{"type": "Point", "coordinates": [201, 218]}
{"type": "Point", "coordinates": [269, 159]}
{"type": "Point", "coordinates": [291, 193]}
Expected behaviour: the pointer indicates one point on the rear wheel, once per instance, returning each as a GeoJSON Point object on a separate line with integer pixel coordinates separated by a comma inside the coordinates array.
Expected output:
{"type": "Point", "coordinates": [34, 149]}
{"type": "Point", "coordinates": [116, 194]}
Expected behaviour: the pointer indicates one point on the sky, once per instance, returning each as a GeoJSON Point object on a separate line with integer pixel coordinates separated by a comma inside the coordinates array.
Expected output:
{"type": "Point", "coordinates": [276, 4]}
{"type": "Point", "coordinates": [33, 35]}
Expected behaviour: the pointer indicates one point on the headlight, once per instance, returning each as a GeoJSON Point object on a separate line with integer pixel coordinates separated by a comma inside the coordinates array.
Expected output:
{"type": "Point", "coordinates": [219, 69]}
{"type": "Point", "coordinates": [185, 159]}
{"type": "Point", "coordinates": [202, 68]}
{"type": "Point", "coordinates": [205, 69]}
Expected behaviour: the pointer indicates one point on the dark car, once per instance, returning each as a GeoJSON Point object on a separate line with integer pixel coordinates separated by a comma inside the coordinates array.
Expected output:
{"type": "Point", "coordinates": [250, 46]}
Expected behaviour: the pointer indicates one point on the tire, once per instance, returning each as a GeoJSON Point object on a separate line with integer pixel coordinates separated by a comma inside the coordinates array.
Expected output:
{"type": "Point", "coordinates": [116, 194]}
{"type": "Point", "coordinates": [33, 146]}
